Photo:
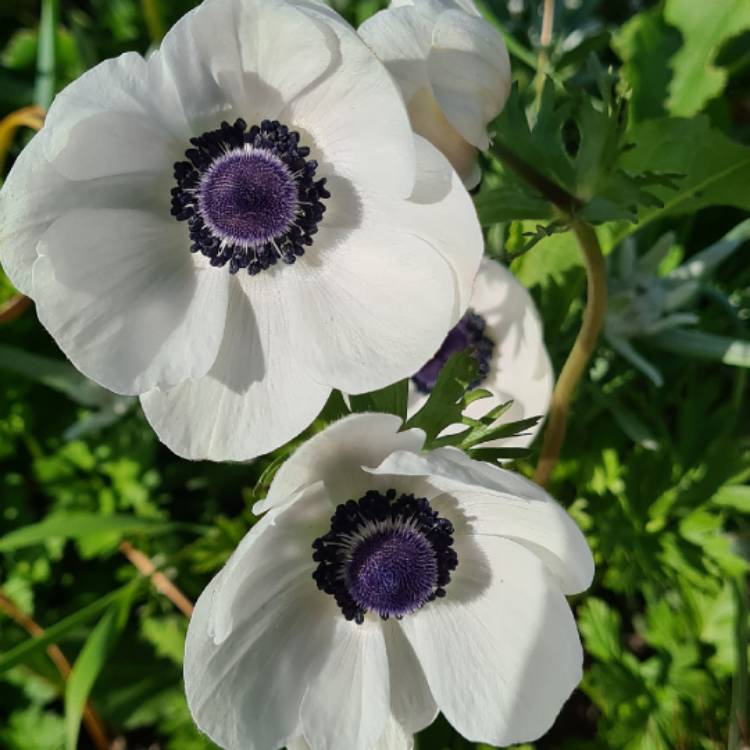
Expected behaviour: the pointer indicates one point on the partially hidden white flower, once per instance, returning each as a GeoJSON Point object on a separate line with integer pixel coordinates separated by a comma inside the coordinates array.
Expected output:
{"type": "Point", "coordinates": [234, 347]}
{"type": "Point", "coordinates": [504, 331]}
{"type": "Point", "coordinates": [469, 563]}
{"type": "Point", "coordinates": [453, 69]}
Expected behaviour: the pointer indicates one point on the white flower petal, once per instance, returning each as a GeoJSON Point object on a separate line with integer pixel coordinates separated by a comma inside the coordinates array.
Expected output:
{"type": "Point", "coordinates": [370, 308]}
{"type": "Point", "coordinates": [252, 67]}
{"type": "Point", "coordinates": [245, 693]}
{"type": "Point", "coordinates": [35, 194]}
{"type": "Point", "coordinates": [400, 36]}
{"type": "Point", "coordinates": [429, 121]}
{"type": "Point", "coordinates": [120, 292]}
{"type": "Point", "coordinates": [357, 120]}
{"type": "Point", "coordinates": [412, 703]}
{"type": "Point", "coordinates": [520, 369]}
{"type": "Point", "coordinates": [394, 738]}
{"type": "Point", "coordinates": [440, 211]}
{"type": "Point", "coordinates": [274, 554]}
{"type": "Point", "coordinates": [260, 633]}
{"type": "Point", "coordinates": [469, 69]}
{"type": "Point", "coordinates": [113, 120]}
{"type": "Point", "coordinates": [346, 708]}
{"type": "Point", "coordinates": [336, 457]}
{"type": "Point", "coordinates": [256, 396]}
{"type": "Point", "coordinates": [501, 651]}
{"type": "Point", "coordinates": [498, 502]}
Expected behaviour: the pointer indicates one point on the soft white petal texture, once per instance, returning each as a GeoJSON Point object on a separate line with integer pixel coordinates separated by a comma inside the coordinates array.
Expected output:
{"type": "Point", "coordinates": [369, 308]}
{"type": "Point", "coordinates": [35, 194]}
{"type": "Point", "coordinates": [336, 457]}
{"type": "Point", "coordinates": [520, 367]}
{"type": "Point", "coordinates": [412, 704]}
{"type": "Point", "coordinates": [346, 707]}
{"type": "Point", "coordinates": [394, 738]}
{"type": "Point", "coordinates": [469, 68]}
{"type": "Point", "coordinates": [497, 502]}
{"type": "Point", "coordinates": [429, 120]}
{"type": "Point", "coordinates": [110, 121]}
{"type": "Point", "coordinates": [246, 687]}
{"type": "Point", "coordinates": [453, 70]}
{"type": "Point", "coordinates": [254, 66]}
{"type": "Point", "coordinates": [356, 119]}
{"type": "Point", "coordinates": [441, 211]}
{"type": "Point", "coordinates": [401, 38]}
{"type": "Point", "coordinates": [255, 397]}
{"type": "Point", "coordinates": [501, 651]}
{"type": "Point", "coordinates": [124, 299]}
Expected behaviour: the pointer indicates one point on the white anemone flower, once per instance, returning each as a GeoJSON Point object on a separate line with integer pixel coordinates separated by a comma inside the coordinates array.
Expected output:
{"type": "Point", "coordinates": [505, 333]}
{"type": "Point", "coordinates": [385, 584]}
{"type": "Point", "coordinates": [453, 69]}
{"type": "Point", "coordinates": [157, 217]}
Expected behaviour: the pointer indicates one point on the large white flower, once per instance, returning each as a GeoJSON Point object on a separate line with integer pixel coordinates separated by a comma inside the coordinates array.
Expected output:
{"type": "Point", "coordinates": [253, 119]}
{"type": "Point", "coordinates": [453, 69]}
{"type": "Point", "coordinates": [503, 329]}
{"type": "Point", "coordinates": [383, 585]}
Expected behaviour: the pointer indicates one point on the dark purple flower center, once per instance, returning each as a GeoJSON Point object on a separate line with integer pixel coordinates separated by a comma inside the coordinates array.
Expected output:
{"type": "Point", "coordinates": [385, 554]}
{"type": "Point", "coordinates": [468, 333]}
{"type": "Point", "coordinates": [249, 195]}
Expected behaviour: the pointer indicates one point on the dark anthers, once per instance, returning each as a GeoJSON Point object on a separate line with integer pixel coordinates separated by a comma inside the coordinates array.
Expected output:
{"type": "Point", "coordinates": [386, 554]}
{"type": "Point", "coordinates": [249, 196]}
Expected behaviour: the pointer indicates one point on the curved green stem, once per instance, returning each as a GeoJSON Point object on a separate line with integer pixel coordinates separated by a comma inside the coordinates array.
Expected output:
{"type": "Point", "coordinates": [583, 348]}
{"type": "Point", "coordinates": [593, 317]}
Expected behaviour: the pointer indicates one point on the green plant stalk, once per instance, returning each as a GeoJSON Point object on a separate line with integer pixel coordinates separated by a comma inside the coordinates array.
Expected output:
{"type": "Point", "coordinates": [154, 21]}
{"type": "Point", "coordinates": [578, 359]}
{"type": "Point", "coordinates": [738, 726]}
{"type": "Point", "coordinates": [46, 59]}
{"type": "Point", "coordinates": [545, 40]}
{"type": "Point", "coordinates": [593, 317]}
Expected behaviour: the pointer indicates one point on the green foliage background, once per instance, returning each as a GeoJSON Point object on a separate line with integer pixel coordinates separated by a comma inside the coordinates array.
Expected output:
{"type": "Point", "coordinates": [657, 477]}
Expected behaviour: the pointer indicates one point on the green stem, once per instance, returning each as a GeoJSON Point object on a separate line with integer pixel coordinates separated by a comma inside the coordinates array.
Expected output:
{"type": "Point", "coordinates": [545, 40]}
{"type": "Point", "coordinates": [593, 316]}
{"type": "Point", "coordinates": [44, 88]}
{"type": "Point", "coordinates": [738, 727]}
{"type": "Point", "coordinates": [154, 21]}
{"type": "Point", "coordinates": [580, 354]}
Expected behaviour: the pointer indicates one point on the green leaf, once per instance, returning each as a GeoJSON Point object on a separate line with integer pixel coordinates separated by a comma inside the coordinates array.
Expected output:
{"type": "Point", "coordinates": [704, 30]}
{"type": "Point", "coordinates": [645, 44]}
{"type": "Point", "coordinates": [390, 400]}
{"type": "Point", "coordinates": [79, 525]}
{"type": "Point", "coordinates": [483, 433]}
{"type": "Point", "coordinates": [716, 170]}
{"type": "Point", "coordinates": [56, 374]}
{"type": "Point", "coordinates": [735, 496]}
{"type": "Point", "coordinates": [89, 664]}
{"type": "Point", "coordinates": [448, 398]}
{"type": "Point", "coordinates": [600, 628]}
{"type": "Point", "coordinates": [59, 630]}
{"type": "Point", "coordinates": [691, 343]}
{"type": "Point", "coordinates": [506, 204]}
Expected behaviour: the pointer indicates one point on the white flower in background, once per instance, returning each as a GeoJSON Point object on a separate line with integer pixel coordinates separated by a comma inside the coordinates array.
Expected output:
{"type": "Point", "coordinates": [453, 69]}
{"type": "Point", "coordinates": [384, 585]}
{"type": "Point", "coordinates": [147, 219]}
{"type": "Point", "coordinates": [503, 330]}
